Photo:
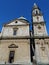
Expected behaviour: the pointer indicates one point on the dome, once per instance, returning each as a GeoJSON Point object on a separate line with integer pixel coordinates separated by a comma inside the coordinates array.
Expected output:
{"type": "Point", "coordinates": [22, 18]}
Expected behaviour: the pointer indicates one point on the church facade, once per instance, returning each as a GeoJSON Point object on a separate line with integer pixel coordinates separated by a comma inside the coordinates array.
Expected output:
{"type": "Point", "coordinates": [20, 46]}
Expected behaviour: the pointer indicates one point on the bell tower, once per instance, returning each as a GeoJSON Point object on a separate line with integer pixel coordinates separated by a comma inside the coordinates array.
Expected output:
{"type": "Point", "coordinates": [38, 22]}
{"type": "Point", "coordinates": [40, 37]}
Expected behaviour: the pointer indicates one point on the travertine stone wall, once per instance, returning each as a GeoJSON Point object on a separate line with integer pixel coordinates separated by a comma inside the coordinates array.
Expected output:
{"type": "Point", "coordinates": [40, 18]}
{"type": "Point", "coordinates": [21, 31]}
{"type": "Point", "coordinates": [22, 53]}
{"type": "Point", "coordinates": [40, 32]}
{"type": "Point", "coordinates": [42, 50]}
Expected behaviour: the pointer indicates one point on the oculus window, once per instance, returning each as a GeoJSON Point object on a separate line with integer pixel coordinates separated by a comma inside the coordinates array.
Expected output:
{"type": "Point", "coordinates": [16, 22]}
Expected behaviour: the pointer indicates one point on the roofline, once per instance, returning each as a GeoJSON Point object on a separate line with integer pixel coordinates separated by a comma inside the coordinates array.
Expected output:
{"type": "Point", "coordinates": [14, 20]}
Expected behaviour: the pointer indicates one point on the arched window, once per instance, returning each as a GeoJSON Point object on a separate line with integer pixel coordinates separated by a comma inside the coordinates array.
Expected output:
{"type": "Point", "coordinates": [36, 12]}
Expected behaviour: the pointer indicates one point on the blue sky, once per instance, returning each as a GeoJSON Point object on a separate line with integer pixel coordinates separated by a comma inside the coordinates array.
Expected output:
{"type": "Point", "coordinates": [11, 9]}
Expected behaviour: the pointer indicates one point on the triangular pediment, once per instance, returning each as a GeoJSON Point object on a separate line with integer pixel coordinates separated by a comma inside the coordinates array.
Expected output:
{"type": "Point", "coordinates": [12, 46]}
{"type": "Point", "coordinates": [18, 22]}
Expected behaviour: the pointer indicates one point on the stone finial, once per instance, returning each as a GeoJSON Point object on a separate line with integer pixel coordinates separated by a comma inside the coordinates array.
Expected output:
{"type": "Point", "coordinates": [34, 4]}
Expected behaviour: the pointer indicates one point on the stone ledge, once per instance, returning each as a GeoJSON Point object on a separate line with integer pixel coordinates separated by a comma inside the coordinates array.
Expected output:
{"type": "Point", "coordinates": [16, 63]}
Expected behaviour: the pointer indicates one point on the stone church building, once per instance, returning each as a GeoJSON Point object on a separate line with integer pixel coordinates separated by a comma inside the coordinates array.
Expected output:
{"type": "Point", "coordinates": [20, 46]}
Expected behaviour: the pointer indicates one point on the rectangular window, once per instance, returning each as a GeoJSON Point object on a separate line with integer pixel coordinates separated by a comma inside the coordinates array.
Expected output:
{"type": "Point", "coordinates": [11, 56]}
{"type": "Point", "coordinates": [14, 32]}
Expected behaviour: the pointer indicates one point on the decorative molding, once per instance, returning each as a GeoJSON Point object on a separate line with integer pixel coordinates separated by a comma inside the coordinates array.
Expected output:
{"type": "Point", "coordinates": [43, 48]}
{"type": "Point", "coordinates": [41, 22]}
{"type": "Point", "coordinates": [25, 37]}
{"type": "Point", "coordinates": [15, 25]}
{"type": "Point", "coordinates": [37, 14]}
{"type": "Point", "coordinates": [12, 46]}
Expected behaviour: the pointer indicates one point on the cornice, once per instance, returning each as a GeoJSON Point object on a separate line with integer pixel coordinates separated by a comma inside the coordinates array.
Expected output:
{"type": "Point", "coordinates": [16, 25]}
{"type": "Point", "coordinates": [24, 37]}
{"type": "Point", "coordinates": [37, 15]}
{"type": "Point", "coordinates": [18, 37]}
{"type": "Point", "coordinates": [40, 37]}
{"type": "Point", "coordinates": [42, 22]}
